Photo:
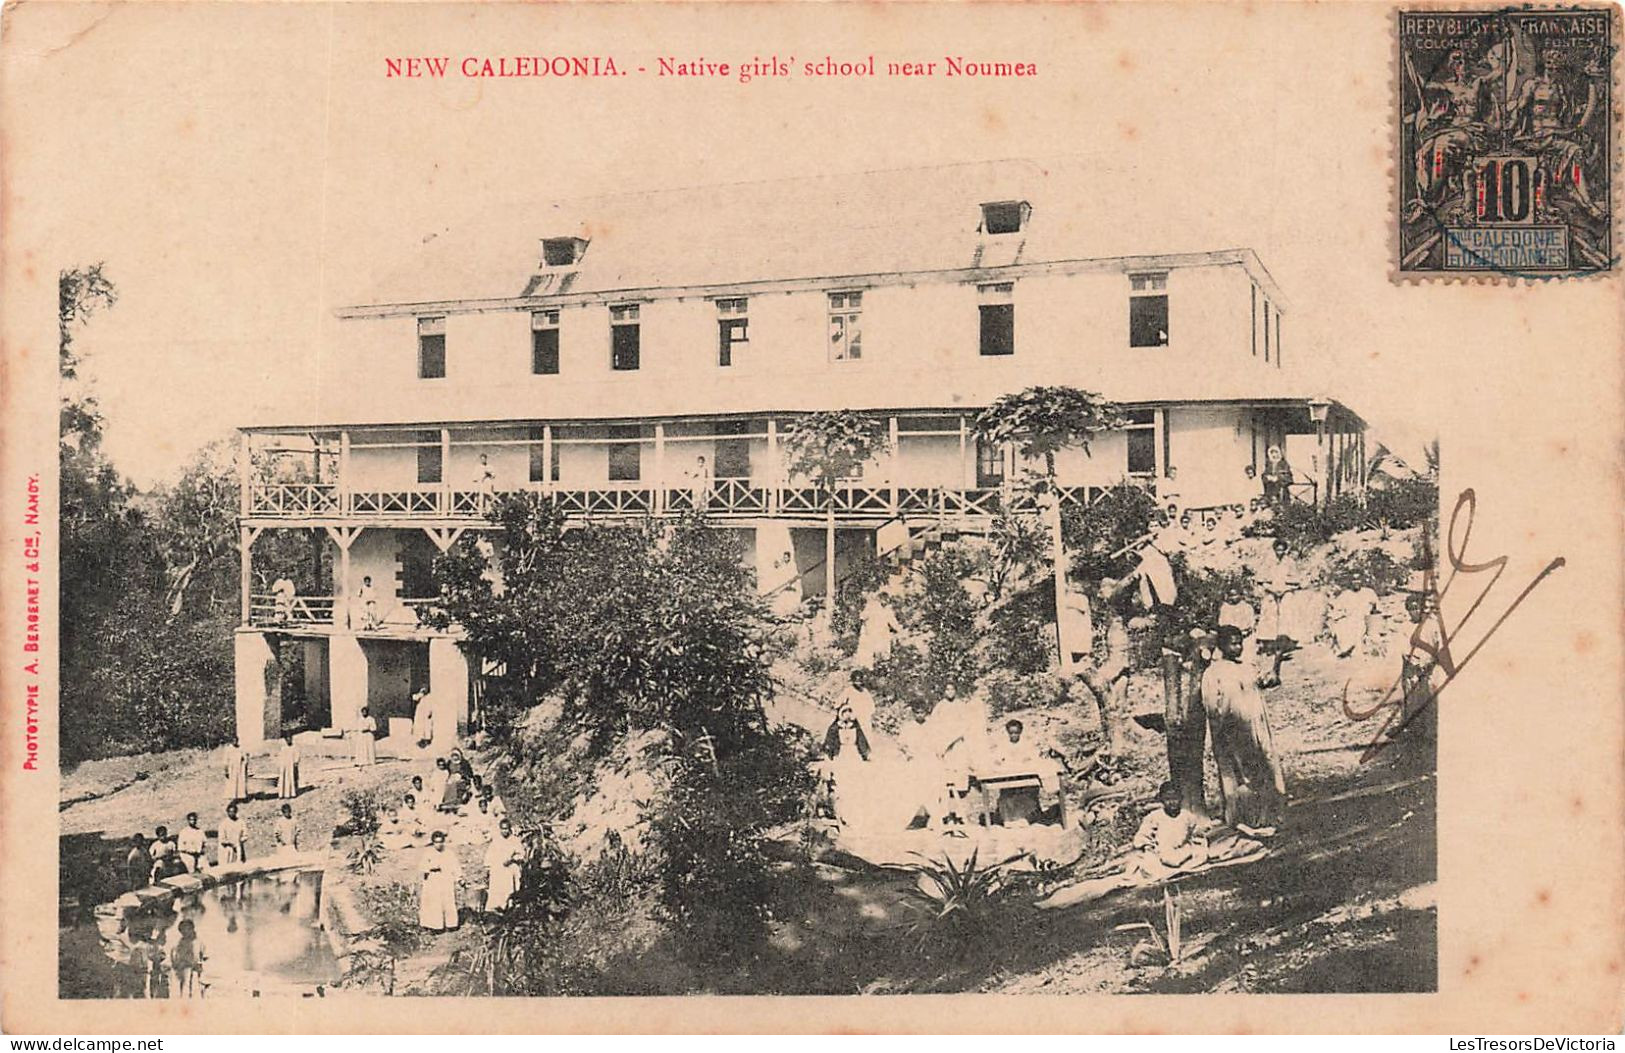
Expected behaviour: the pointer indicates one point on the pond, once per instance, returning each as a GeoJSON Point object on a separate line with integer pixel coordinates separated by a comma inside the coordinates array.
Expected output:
{"type": "Point", "coordinates": [261, 935]}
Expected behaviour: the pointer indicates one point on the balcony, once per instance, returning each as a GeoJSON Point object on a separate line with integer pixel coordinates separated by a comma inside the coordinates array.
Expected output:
{"type": "Point", "coordinates": [725, 499]}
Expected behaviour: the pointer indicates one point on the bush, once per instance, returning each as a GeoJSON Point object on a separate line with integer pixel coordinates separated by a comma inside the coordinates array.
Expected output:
{"type": "Point", "coordinates": [1021, 631]}
{"type": "Point", "coordinates": [1093, 533]}
{"type": "Point", "coordinates": [1008, 692]}
{"type": "Point", "coordinates": [363, 809]}
{"type": "Point", "coordinates": [715, 877]}
{"type": "Point", "coordinates": [1406, 503]}
{"type": "Point", "coordinates": [1369, 568]}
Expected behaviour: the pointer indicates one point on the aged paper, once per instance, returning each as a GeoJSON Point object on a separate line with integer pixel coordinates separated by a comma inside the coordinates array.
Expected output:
{"type": "Point", "coordinates": [488, 395]}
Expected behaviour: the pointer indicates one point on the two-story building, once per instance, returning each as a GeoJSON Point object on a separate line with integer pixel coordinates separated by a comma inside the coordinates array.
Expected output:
{"type": "Point", "coordinates": [642, 356]}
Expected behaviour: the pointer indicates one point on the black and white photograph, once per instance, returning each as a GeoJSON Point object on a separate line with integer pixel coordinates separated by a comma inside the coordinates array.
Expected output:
{"type": "Point", "coordinates": [928, 501]}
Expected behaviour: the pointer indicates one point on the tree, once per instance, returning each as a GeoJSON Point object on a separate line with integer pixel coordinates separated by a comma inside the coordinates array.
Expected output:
{"type": "Point", "coordinates": [197, 534]}
{"type": "Point", "coordinates": [1040, 422]}
{"type": "Point", "coordinates": [828, 447]}
{"type": "Point", "coordinates": [632, 630]}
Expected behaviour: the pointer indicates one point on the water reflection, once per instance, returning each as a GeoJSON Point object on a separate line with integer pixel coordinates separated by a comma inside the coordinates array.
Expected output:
{"type": "Point", "coordinates": [259, 935]}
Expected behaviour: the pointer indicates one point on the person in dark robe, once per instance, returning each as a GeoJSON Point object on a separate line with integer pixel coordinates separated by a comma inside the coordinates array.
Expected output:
{"type": "Point", "coordinates": [845, 734]}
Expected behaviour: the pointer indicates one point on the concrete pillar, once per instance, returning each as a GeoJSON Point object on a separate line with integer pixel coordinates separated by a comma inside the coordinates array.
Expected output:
{"type": "Point", "coordinates": [347, 678]}
{"type": "Point", "coordinates": [448, 692]}
{"type": "Point", "coordinates": [259, 690]}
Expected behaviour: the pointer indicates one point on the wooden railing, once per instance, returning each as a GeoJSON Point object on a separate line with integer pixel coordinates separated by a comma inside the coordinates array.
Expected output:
{"type": "Point", "coordinates": [270, 610]}
{"type": "Point", "coordinates": [721, 497]}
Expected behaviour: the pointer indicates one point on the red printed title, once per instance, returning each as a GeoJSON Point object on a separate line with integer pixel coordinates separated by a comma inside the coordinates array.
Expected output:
{"type": "Point", "coordinates": [31, 546]}
{"type": "Point", "coordinates": [572, 67]}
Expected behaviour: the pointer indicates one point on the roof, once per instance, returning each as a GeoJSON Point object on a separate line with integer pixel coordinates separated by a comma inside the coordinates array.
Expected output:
{"type": "Point", "coordinates": [907, 221]}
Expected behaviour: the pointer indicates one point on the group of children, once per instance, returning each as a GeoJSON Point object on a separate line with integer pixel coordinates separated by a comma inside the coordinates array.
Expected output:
{"type": "Point", "coordinates": [454, 800]}
{"type": "Point", "coordinates": [169, 855]}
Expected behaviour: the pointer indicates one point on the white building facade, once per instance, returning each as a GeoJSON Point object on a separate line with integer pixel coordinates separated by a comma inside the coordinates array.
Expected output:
{"type": "Point", "coordinates": [610, 372]}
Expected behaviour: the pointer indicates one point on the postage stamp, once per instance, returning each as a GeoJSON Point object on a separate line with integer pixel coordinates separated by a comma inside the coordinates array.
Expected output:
{"type": "Point", "coordinates": [1507, 142]}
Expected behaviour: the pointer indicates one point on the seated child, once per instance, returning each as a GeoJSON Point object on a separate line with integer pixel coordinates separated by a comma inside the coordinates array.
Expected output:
{"type": "Point", "coordinates": [392, 832]}
{"type": "Point", "coordinates": [1167, 838]}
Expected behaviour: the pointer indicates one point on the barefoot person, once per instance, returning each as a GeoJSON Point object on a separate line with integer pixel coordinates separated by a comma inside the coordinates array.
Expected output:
{"type": "Point", "coordinates": [1250, 776]}
{"type": "Point", "coordinates": [287, 832]}
{"type": "Point", "coordinates": [1167, 838]}
{"type": "Point", "coordinates": [190, 842]}
{"type": "Point", "coordinates": [363, 745]}
{"type": "Point", "coordinates": [236, 773]}
{"type": "Point", "coordinates": [505, 860]}
{"type": "Point", "coordinates": [233, 837]}
{"type": "Point", "coordinates": [437, 899]}
{"type": "Point", "coordinates": [287, 769]}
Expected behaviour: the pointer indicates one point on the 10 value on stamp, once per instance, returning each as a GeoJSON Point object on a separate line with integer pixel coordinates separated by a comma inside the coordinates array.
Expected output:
{"type": "Point", "coordinates": [1507, 142]}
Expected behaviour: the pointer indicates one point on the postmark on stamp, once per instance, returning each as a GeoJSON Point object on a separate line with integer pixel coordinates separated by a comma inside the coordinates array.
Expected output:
{"type": "Point", "coordinates": [1507, 139]}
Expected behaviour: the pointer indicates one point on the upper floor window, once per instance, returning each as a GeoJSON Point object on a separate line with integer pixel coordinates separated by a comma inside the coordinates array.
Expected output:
{"type": "Point", "coordinates": [845, 326]}
{"type": "Point", "coordinates": [431, 465]}
{"type": "Point", "coordinates": [1141, 436]}
{"type": "Point", "coordinates": [625, 453]}
{"type": "Point", "coordinates": [562, 252]}
{"type": "Point", "coordinates": [998, 319]}
{"type": "Point", "coordinates": [733, 328]}
{"type": "Point", "coordinates": [1148, 310]}
{"type": "Point", "coordinates": [544, 342]}
{"type": "Point", "coordinates": [1005, 217]}
{"type": "Point", "coordinates": [624, 344]}
{"type": "Point", "coordinates": [432, 348]}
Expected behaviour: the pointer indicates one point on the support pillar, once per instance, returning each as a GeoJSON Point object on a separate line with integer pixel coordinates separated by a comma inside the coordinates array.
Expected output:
{"type": "Point", "coordinates": [258, 690]}
{"type": "Point", "coordinates": [448, 692]}
{"type": "Point", "coordinates": [347, 678]}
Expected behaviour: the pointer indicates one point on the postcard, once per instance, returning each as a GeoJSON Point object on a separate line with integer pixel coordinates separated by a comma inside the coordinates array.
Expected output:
{"type": "Point", "coordinates": [627, 516]}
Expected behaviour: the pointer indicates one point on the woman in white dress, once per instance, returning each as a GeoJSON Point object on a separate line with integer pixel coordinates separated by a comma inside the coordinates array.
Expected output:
{"type": "Point", "coordinates": [505, 859]}
{"type": "Point", "coordinates": [287, 773]}
{"type": "Point", "coordinates": [878, 628]}
{"type": "Point", "coordinates": [236, 773]}
{"type": "Point", "coordinates": [422, 718]}
{"type": "Point", "coordinates": [440, 870]}
{"type": "Point", "coordinates": [287, 832]}
{"type": "Point", "coordinates": [363, 746]}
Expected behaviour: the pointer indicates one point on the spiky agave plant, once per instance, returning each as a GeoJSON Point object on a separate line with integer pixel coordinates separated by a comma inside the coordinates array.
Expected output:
{"type": "Point", "coordinates": [957, 899]}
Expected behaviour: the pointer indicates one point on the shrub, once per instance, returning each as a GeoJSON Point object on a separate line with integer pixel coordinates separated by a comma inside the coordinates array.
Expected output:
{"type": "Point", "coordinates": [1406, 503]}
{"type": "Point", "coordinates": [1093, 533]}
{"type": "Point", "coordinates": [1369, 568]}
{"type": "Point", "coordinates": [1009, 692]}
{"type": "Point", "coordinates": [362, 809]}
{"type": "Point", "coordinates": [715, 879]}
{"type": "Point", "coordinates": [957, 901]}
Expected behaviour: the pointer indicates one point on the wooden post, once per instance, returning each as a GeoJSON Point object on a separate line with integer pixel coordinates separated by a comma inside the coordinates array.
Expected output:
{"type": "Point", "coordinates": [659, 502]}
{"type": "Point", "coordinates": [892, 461]}
{"type": "Point", "coordinates": [245, 473]}
{"type": "Point", "coordinates": [245, 548]}
{"type": "Point", "coordinates": [1159, 418]}
{"type": "Point", "coordinates": [445, 471]}
{"type": "Point", "coordinates": [344, 472]}
{"type": "Point", "coordinates": [548, 479]}
{"type": "Point", "coordinates": [775, 470]}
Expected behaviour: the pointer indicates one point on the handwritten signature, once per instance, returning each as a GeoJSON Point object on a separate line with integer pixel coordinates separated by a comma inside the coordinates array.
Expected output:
{"type": "Point", "coordinates": [1412, 694]}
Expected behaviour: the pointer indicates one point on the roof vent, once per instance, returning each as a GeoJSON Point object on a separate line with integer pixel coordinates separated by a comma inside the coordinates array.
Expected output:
{"type": "Point", "coordinates": [1005, 217]}
{"type": "Point", "coordinates": [563, 252]}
